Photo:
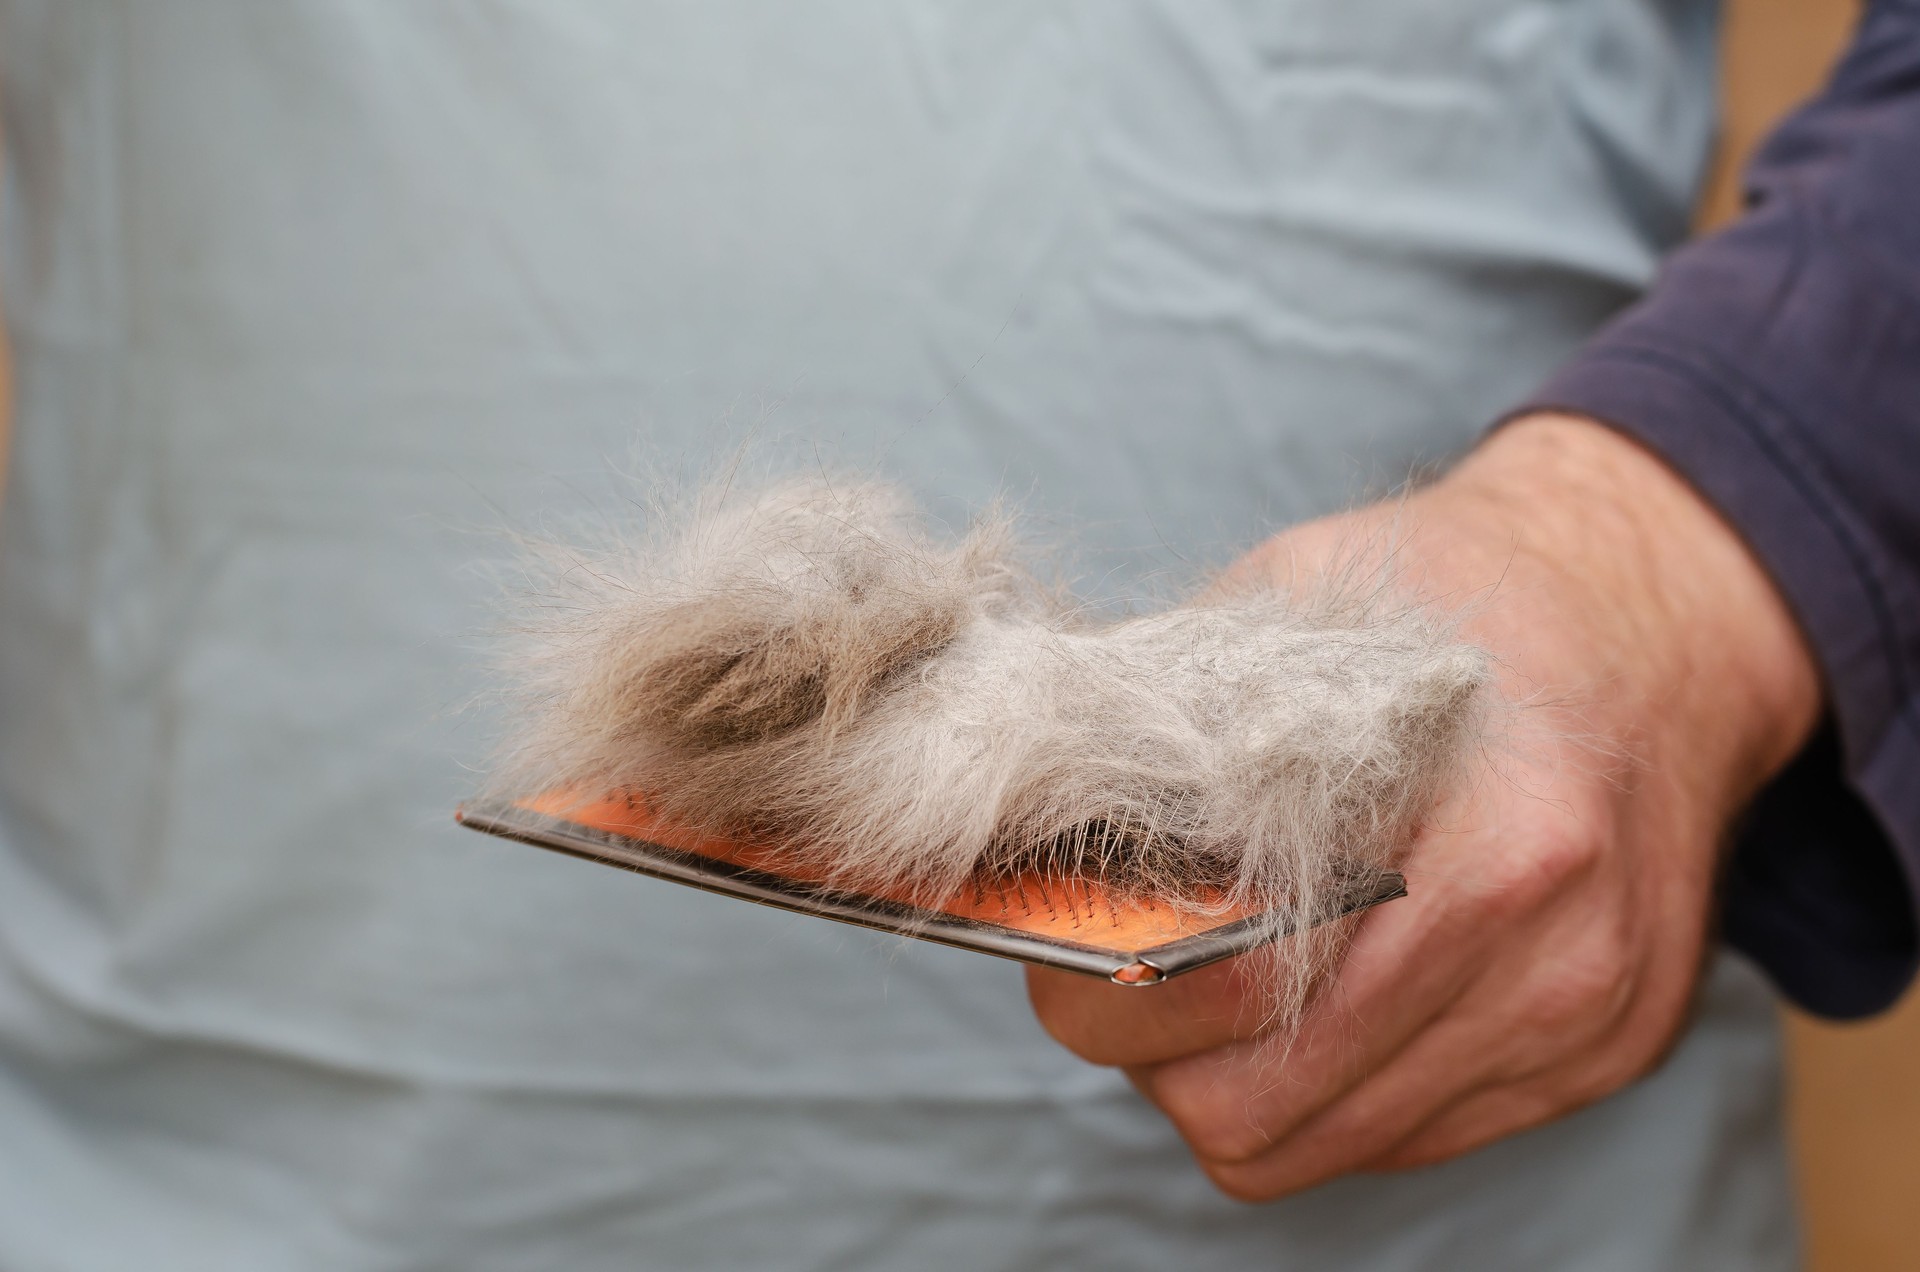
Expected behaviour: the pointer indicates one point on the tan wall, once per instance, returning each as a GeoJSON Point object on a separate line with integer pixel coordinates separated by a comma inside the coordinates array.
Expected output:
{"type": "Point", "coordinates": [1855, 1092]}
{"type": "Point", "coordinates": [1775, 52]}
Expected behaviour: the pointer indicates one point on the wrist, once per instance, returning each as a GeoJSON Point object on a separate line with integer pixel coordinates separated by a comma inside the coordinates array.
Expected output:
{"type": "Point", "coordinates": [1692, 641]}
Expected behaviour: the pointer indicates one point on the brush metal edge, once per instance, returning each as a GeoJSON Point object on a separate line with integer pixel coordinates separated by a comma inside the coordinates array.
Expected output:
{"type": "Point", "coordinates": [659, 861]}
{"type": "Point", "coordinates": [512, 821]}
{"type": "Point", "coordinates": [1192, 952]}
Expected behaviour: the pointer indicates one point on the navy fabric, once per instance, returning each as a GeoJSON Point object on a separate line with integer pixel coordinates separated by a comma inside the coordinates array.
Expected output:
{"type": "Point", "coordinates": [1777, 366]}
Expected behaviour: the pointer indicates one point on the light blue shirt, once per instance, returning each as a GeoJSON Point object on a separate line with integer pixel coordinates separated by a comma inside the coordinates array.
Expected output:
{"type": "Point", "coordinates": [314, 301]}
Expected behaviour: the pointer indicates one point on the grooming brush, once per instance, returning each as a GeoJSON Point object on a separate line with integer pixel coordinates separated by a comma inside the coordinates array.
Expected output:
{"type": "Point", "coordinates": [1052, 920]}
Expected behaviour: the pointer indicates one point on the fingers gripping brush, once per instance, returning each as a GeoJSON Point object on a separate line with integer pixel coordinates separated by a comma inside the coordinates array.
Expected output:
{"type": "Point", "coordinates": [799, 696]}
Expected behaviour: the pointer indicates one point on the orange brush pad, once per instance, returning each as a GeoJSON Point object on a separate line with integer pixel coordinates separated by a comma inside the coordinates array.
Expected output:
{"type": "Point", "coordinates": [1072, 909]}
{"type": "Point", "coordinates": [1070, 923]}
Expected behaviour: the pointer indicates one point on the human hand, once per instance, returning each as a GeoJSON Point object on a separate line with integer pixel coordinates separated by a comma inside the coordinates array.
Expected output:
{"type": "Point", "coordinates": [1561, 904]}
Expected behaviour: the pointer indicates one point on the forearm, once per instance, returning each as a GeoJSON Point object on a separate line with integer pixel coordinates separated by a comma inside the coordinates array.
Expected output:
{"type": "Point", "coordinates": [1776, 366]}
{"type": "Point", "coordinates": [1684, 625]}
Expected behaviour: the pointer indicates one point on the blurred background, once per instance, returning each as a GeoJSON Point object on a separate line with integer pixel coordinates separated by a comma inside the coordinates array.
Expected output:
{"type": "Point", "coordinates": [1854, 1103]}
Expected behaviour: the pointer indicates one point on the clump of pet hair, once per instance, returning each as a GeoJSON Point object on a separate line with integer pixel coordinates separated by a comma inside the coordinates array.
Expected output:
{"type": "Point", "coordinates": [809, 664]}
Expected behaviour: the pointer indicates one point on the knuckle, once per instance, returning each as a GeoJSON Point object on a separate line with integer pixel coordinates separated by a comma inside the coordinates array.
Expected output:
{"type": "Point", "coordinates": [1633, 1059]}
{"type": "Point", "coordinates": [1235, 1181]}
{"type": "Point", "coordinates": [1076, 1034]}
{"type": "Point", "coordinates": [1225, 1142]}
{"type": "Point", "coordinates": [1542, 863]}
{"type": "Point", "coordinates": [1583, 990]}
{"type": "Point", "coordinates": [1610, 1069]}
{"type": "Point", "coordinates": [1414, 1155]}
{"type": "Point", "coordinates": [1067, 1016]}
{"type": "Point", "coordinates": [1215, 1122]}
{"type": "Point", "coordinates": [1116, 1026]}
{"type": "Point", "coordinates": [1607, 1075]}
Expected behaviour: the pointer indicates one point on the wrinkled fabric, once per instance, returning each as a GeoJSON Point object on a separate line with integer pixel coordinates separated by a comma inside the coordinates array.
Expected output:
{"type": "Point", "coordinates": [1777, 366]}
{"type": "Point", "coordinates": [316, 305]}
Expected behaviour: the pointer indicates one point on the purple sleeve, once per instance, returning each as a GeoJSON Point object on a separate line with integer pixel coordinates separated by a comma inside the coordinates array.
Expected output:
{"type": "Point", "coordinates": [1776, 365]}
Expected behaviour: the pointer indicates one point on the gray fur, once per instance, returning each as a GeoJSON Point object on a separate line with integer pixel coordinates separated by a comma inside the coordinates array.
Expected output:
{"type": "Point", "coordinates": [807, 662]}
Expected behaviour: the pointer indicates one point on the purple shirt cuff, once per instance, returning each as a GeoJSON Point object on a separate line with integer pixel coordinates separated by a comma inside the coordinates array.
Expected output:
{"type": "Point", "coordinates": [1776, 366]}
